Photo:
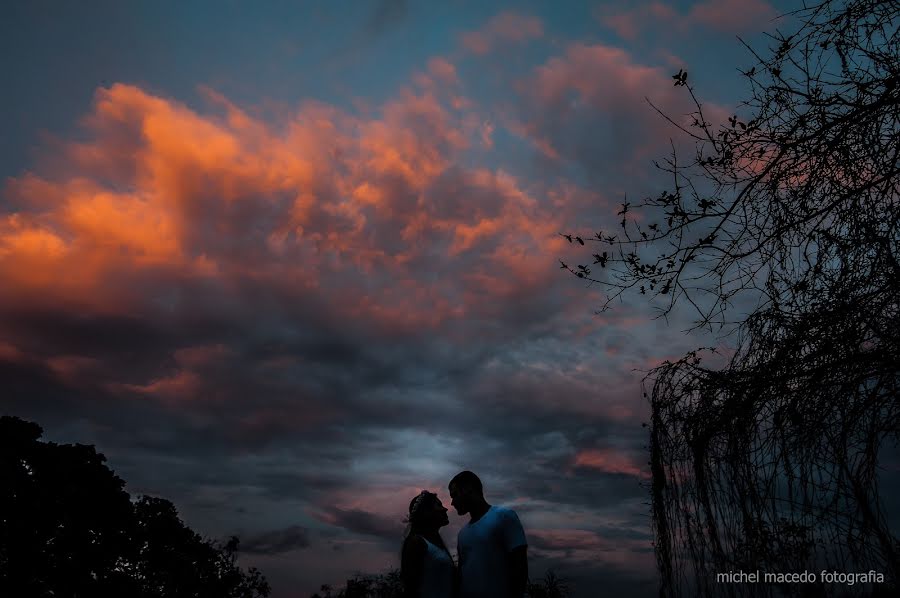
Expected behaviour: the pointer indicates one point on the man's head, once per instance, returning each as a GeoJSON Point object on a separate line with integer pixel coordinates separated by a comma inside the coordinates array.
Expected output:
{"type": "Point", "coordinates": [465, 492]}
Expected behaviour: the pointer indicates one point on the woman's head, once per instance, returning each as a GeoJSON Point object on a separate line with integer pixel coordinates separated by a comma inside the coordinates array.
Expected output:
{"type": "Point", "coordinates": [427, 512]}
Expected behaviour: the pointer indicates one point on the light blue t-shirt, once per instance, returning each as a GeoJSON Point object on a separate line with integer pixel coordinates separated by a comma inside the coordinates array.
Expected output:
{"type": "Point", "coordinates": [483, 549]}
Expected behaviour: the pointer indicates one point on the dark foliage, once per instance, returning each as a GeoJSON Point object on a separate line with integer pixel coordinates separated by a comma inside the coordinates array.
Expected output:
{"type": "Point", "coordinates": [552, 586]}
{"type": "Point", "coordinates": [68, 528]}
{"type": "Point", "coordinates": [389, 585]}
{"type": "Point", "coordinates": [771, 462]}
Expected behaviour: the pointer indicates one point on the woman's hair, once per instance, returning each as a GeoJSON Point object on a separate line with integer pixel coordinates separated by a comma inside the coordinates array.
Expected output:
{"type": "Point", "coordinates": [418, 507]}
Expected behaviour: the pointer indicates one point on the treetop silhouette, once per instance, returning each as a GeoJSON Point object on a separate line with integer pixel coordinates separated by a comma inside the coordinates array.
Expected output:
{"type": "Point", "coordinates": [69, 528]}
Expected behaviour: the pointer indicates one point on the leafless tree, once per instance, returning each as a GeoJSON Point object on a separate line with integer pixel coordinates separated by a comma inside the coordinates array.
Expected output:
{"type": "Point", "coordinates": [771, 462]}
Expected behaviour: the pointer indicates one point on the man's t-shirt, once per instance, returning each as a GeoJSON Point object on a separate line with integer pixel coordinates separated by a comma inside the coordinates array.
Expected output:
{"type": "Point", "coordinates": [483, 547]}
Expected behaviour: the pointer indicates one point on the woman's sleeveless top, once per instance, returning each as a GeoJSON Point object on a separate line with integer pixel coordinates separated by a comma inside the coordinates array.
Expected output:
{"type": "Point", "coordinates": [437, 573]}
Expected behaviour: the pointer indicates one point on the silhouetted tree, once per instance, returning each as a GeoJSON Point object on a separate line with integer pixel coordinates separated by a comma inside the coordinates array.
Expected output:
{"type": "Point", "coordinates": [68, 528]}
{"type": "Point", "coordinates": [770, 462]}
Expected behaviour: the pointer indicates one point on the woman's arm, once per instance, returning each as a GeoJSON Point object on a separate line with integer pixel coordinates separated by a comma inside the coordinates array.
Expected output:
{"type": "Point", "coordinates": [412, 561]}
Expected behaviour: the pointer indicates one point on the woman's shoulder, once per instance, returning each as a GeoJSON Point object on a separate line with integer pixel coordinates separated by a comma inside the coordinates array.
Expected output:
{"type": "Point", "coordinates": [414, 544]}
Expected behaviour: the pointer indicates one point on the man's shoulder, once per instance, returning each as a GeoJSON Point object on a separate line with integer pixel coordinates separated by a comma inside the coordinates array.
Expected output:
{"type": "Point", "coordinates": [507, 524]}
{"type": "Point", "coordinates": [502, 512]}
{"type": "Point", "coordinates": [503, 516]}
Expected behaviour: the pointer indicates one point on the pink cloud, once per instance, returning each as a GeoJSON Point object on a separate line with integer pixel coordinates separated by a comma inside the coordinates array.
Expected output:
{"type": "Point", "coordinates": [603, 75]}
{"type": "Point", "coordinates": [732, 16]}
{"type": "Point", "coordinates": [629, 24]}
{"type": "Point", "coordinates": [569, 539]}
{"type": "Point", "coordinates": [9, 352]}
{"type": "Point", "coordinates": [202, 355]}
{"type": "Point", "coordinates": [529, 132]}
{"type": "Point", "coordinates": [727, 16]}
{"type": "Point", "coordinates": [609, 461]}
{"type": "Point", "coordinates": [505, 27]}
{"type": "Point", "coordinates": [443, 70]}
{"type": "Point", "coordinates": [588, 105]}
{"type": "Point", "coordinates": [71, 368]}
{"type": "Point", "coordinates": [179, 387]}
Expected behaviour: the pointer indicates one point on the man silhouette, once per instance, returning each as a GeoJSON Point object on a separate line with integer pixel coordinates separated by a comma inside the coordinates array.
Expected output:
{"type": "Point", "coordinates": [493, 557]}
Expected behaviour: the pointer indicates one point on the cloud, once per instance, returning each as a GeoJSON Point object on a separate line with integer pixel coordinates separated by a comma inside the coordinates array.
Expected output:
{"type": "Point", "coordinates": [607, 461]}
{"type": "Point", "coordinates": [268, 280]}
{"type": "Point", "coordinates": [733, 16]}
{"type": "Point", "coordinates": [628, 24]}
{"type": "Point", "coordinates": [504, 28]}
{"type": "Point", "coordinates": [566, 540]}
{"type": "Point", "coordinates": [207, 197]}
{"type": "Point", "coordinates": [628, 552]}
{"type": "Point", "coordinates": [726, 16]}
{"type": "Point", "coordinates": [443, 70]}
{"type": "Point", "coordinates": [363, 522]}
{"type": "Point", "coordinates": [323, 311]}
{"type": "Point", "coordinates": [387, 13]}
{"type": "Point", "coordinates": [385, 17]}
{"type": "Point", "coordinates": [278, 541]}
{"type": "Point", "coordinates": [587, 106]}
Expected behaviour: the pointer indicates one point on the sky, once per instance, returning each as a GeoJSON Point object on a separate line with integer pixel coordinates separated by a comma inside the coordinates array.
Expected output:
{"type": "Point", "coordinates": [287, 263]}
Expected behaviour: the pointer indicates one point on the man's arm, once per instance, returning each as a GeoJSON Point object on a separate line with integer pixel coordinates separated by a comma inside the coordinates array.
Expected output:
{"type": "Point", "coordinates": [518, 571]}
{"type": "Point", "coordinates": [517, 553]}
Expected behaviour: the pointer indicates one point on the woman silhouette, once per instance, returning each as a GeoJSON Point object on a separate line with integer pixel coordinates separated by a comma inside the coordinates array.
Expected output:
{"type": "Point", "coordinates": [426, 566]}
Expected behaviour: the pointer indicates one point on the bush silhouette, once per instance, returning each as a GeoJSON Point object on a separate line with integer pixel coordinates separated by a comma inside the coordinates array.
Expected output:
{"type": "Point", "coordinates": [552, 586]}
{"type": "Point", "coordinates": [389, 585]}
{"type": "Point", "coordinates": [68, 528]}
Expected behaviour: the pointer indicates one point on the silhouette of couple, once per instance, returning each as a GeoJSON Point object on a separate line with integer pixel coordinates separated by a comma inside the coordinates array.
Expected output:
{"type": "Point", "coordinates": [491, 547]}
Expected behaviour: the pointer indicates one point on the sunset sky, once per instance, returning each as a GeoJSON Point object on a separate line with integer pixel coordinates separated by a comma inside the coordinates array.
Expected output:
{"type": "Point", "coordinates": [287, 263]}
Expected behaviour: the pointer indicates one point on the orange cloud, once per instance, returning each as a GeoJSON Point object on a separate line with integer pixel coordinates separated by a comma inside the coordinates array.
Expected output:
{"type": "Point", "coordinates": [310, 202]}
